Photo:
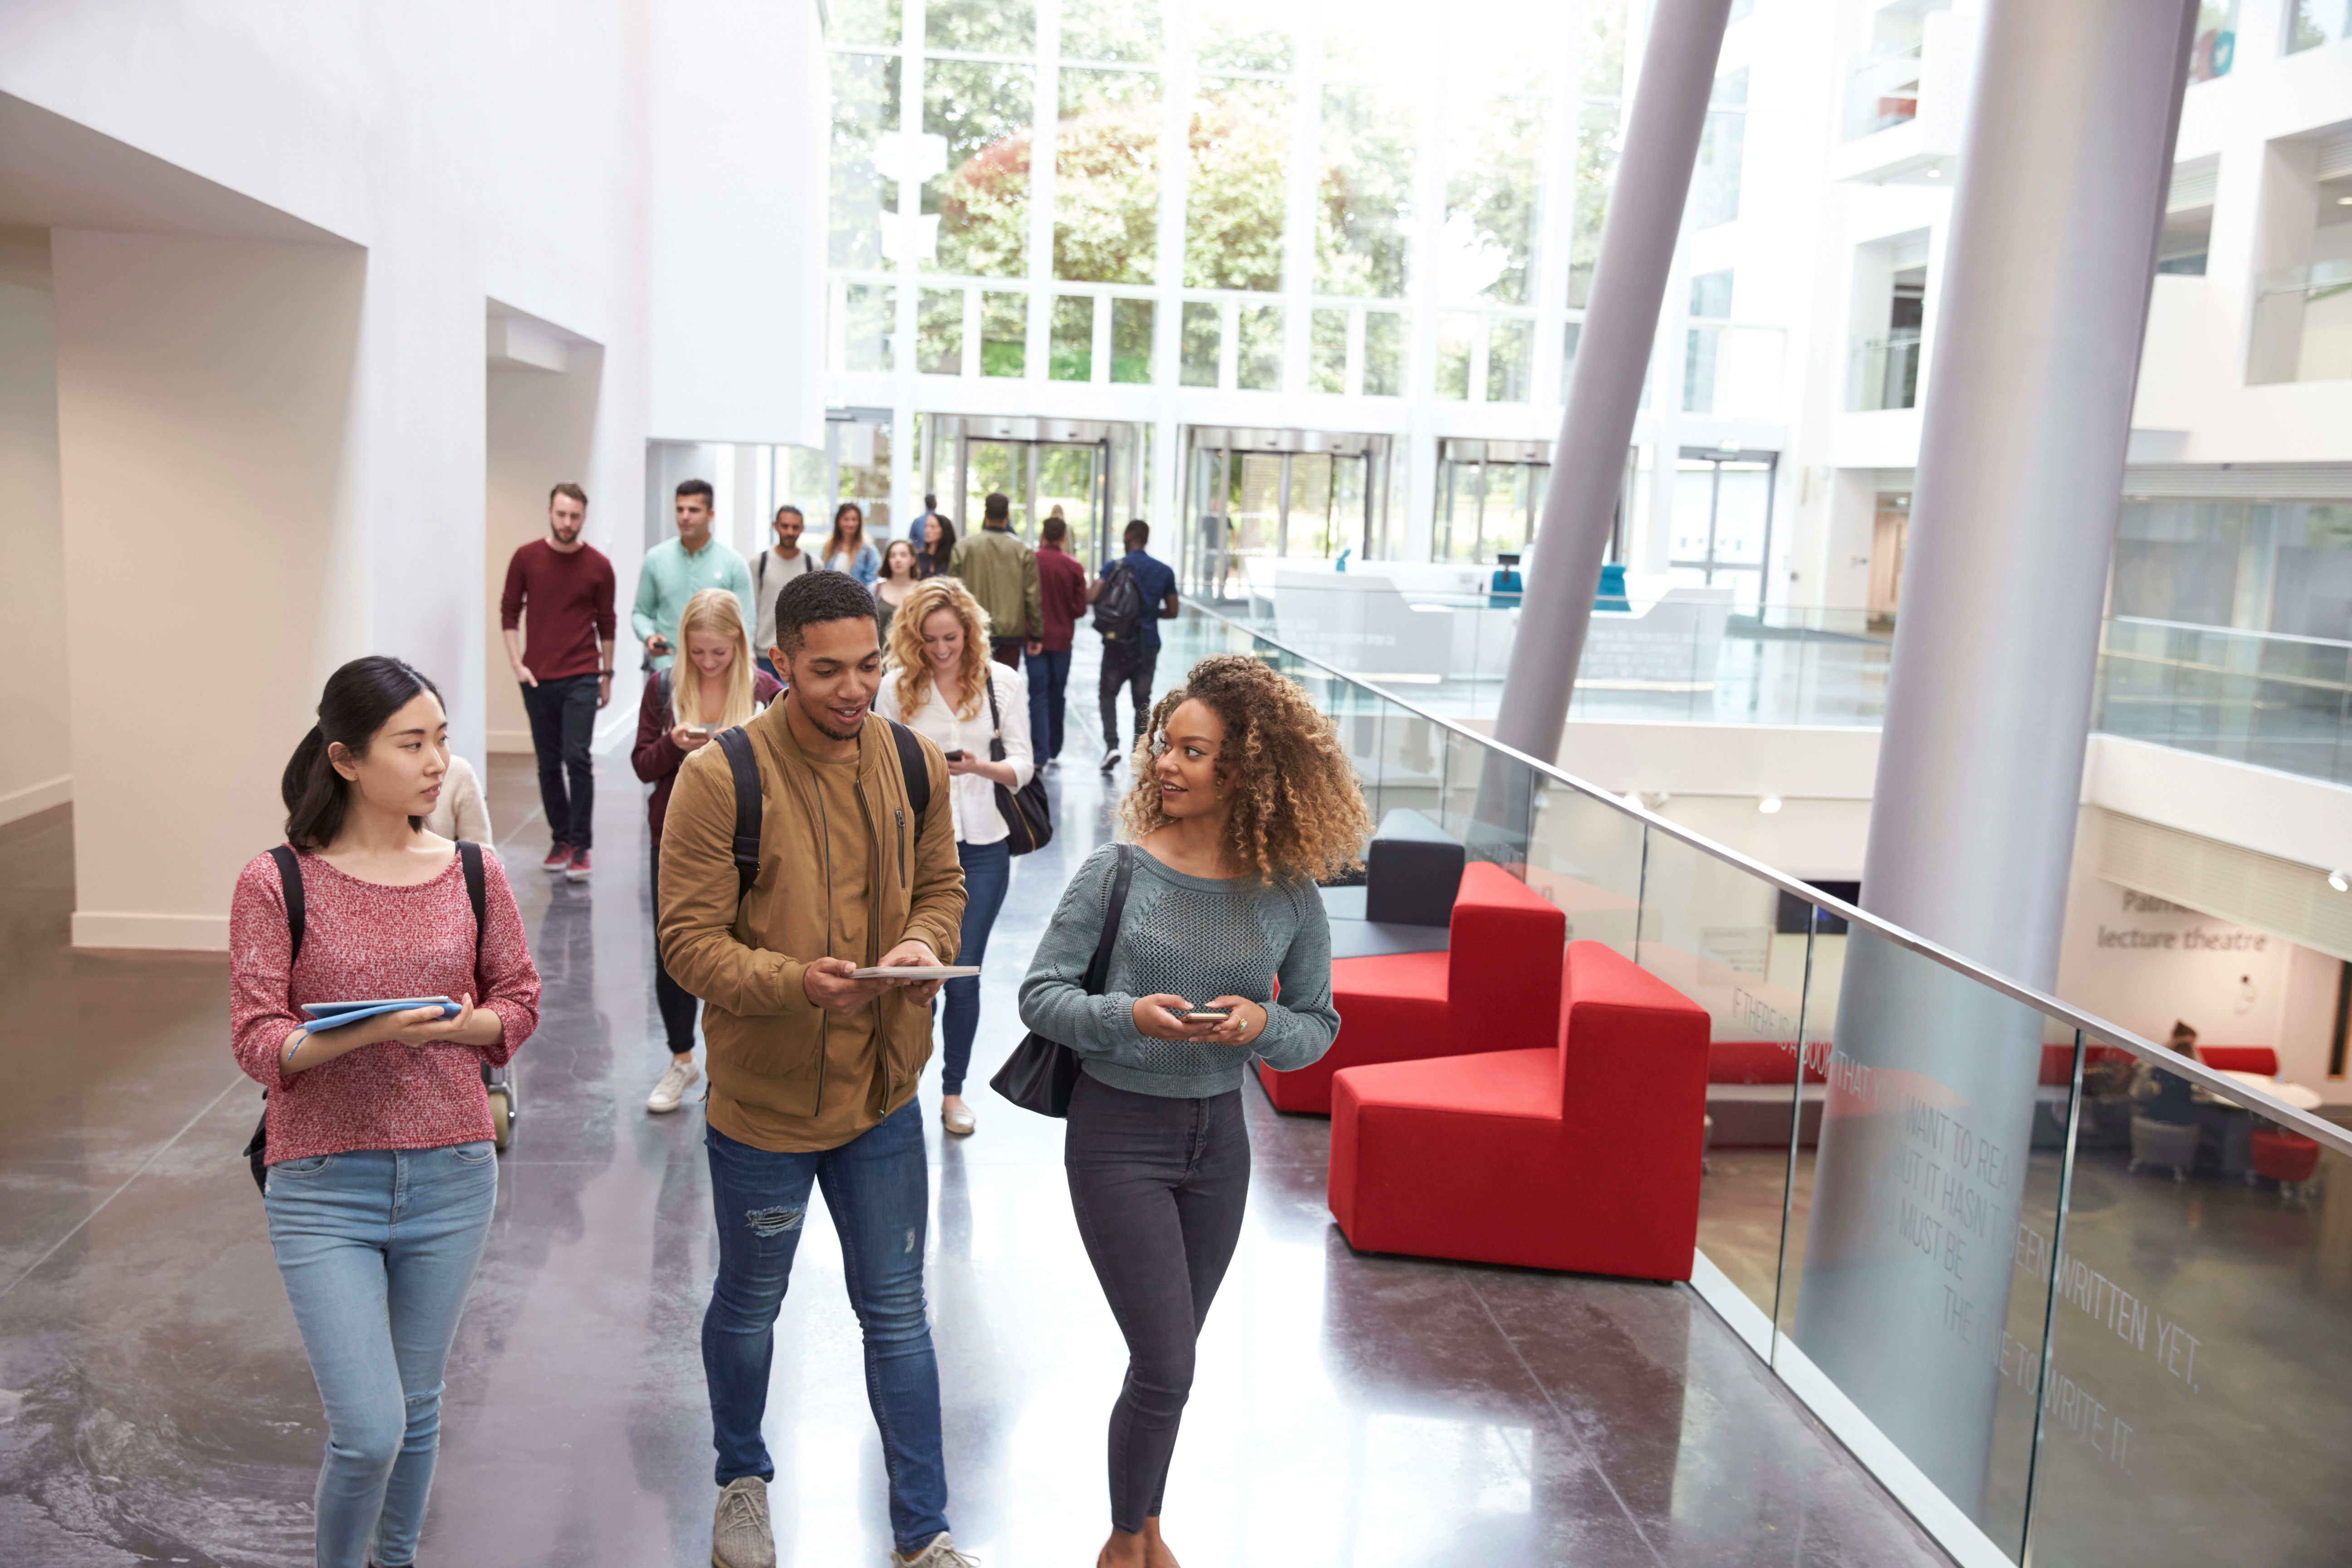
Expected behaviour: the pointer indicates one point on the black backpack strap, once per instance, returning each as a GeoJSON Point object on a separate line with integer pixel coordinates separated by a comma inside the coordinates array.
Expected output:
{"type": "Point", "coordinates": [289, 877]}
{"type": "Point", "coordinates": [746, 769]}
{"type": "Point", "coordinates": [469, 855]}
{"type": "Point", "coordinates": [914, 770]}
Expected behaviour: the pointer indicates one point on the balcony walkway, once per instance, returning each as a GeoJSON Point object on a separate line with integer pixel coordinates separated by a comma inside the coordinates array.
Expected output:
{"type": "Point", "coordinates": [155, 1408]}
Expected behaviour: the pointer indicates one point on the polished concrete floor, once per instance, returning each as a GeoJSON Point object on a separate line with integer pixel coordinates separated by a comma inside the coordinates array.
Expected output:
{"type": "Point", "coordinates": [154, 1405]}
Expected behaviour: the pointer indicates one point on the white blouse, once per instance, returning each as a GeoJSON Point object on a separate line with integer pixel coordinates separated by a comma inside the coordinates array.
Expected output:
{"type": "Point", "coordinates": [972, 797]}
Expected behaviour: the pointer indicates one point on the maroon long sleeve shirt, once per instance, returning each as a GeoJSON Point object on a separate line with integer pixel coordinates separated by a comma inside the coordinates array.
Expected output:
{"type": "Point", "coordinates": [570, 597]}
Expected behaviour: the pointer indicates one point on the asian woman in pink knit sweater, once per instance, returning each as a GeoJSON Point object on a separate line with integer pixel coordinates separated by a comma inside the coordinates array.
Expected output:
{"type": "Point", "coordinates": [381, 1172]}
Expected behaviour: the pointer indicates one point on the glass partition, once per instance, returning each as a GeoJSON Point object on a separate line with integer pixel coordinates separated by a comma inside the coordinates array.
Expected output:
{"type": "Point", "coordinates": [2061, 1299]}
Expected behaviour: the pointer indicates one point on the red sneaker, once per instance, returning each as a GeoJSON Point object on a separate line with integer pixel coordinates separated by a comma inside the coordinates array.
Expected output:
{"type": "Point", "coordinates": [559, 857]}
{"type": "Point", "coordinates": [578, 870]}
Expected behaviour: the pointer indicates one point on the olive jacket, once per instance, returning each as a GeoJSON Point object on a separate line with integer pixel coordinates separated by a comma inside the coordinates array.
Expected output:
{"type": "Point", "coordinates": [771, 1050]}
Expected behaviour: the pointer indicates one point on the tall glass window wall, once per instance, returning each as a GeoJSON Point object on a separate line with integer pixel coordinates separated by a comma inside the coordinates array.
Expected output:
{"type": "Point", "coordinates": [1362, 200]}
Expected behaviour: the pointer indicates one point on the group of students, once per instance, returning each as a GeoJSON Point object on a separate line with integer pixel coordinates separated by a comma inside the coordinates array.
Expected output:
{"type": "Point", "coordinates": [880, 844]}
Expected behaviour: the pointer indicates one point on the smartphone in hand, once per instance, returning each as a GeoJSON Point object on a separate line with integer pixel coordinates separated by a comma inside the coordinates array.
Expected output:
{"type": "Point", "coordinates": [954, 756]}
{"type": "Point", "coordinates": [1218, 1013]}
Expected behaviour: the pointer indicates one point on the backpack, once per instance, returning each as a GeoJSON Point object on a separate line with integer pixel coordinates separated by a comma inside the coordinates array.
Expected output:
{"type": "Point", "coordinates": [290, 879]}
{"type": "Point", "coordinates": [745, 767]}
{"type": "Point", "coordinates": [1118, 604]}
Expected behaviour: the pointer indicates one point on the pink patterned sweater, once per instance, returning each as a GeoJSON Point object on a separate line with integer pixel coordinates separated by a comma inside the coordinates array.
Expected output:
{"type": "Point", "coordinates": [361, 940]}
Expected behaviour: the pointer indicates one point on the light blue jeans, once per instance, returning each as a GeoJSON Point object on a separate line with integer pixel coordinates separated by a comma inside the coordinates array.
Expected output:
{"type": "Point", "coordinates": [377, 1248]}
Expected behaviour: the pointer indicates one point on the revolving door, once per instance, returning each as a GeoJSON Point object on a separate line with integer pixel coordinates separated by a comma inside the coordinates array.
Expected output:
{"type": "Point", "coordinates": [1253, 498]}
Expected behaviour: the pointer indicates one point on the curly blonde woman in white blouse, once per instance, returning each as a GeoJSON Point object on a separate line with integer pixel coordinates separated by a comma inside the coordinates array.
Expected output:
{"type": "Point", "coordinates": [939, 682]}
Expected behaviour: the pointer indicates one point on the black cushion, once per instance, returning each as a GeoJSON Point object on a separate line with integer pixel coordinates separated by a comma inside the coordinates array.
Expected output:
{"type": "Point", "coordinates": [1412, 872]}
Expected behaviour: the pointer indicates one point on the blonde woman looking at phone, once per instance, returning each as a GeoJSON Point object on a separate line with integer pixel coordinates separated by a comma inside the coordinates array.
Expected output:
{"type": "Point", "coordinates": [714, 686]}
{"type": "Point", "coordinates": [939, 682]}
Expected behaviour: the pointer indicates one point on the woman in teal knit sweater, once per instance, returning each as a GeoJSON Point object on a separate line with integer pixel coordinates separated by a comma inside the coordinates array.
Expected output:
{"type": "Point", "coordinates": [1242, 802]}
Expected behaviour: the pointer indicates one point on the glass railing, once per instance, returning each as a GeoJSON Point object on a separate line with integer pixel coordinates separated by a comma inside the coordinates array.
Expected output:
{"type": "Point", "coordinates": [2263, 698]}
{"type": "Point", "coordinates": [1884, 372]}
{"type": "Point", "coordinates": [1882, 93]}
{"type": "Point", "coordinates": [2302, 328]}
{"type": "Point", "coordinates": [1692, 657]}
{"type": "Point", "coordinates": [2064, 1293]}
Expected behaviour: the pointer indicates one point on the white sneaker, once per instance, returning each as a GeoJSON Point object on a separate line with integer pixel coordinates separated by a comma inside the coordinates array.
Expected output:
{"type": "Point", "coordinates": [941, 1554]}
{"type": "Point", "coordinates": [672, 1087]}
{"type": "Point", "coordinates": [741, 1536]}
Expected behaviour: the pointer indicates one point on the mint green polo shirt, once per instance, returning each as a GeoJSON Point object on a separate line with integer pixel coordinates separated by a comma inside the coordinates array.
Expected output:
{"type": "Point", "coordinates": [670, 577]}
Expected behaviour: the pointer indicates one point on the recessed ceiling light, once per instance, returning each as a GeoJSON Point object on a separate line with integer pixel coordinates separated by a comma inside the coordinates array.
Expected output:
{"type": "Point", "coordinates": [2340, 881]}
{"type": "Point", "coordinates": [1935, 173]}
{"type": "Point", "coordinates": [2343, 200]}
{"type": "Point", "coordinates": [1768, 805]}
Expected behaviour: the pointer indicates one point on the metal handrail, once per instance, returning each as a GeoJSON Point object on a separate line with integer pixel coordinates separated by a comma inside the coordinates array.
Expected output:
{"type": "Point", "coordinates": [2092, 1026]}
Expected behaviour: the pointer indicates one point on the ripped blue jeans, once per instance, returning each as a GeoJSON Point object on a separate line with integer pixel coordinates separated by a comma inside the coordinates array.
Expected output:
{"type": "Point", "coordinates": [877, 1189]}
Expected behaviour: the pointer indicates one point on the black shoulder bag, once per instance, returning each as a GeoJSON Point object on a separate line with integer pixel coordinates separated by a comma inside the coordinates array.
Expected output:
{"type": "Point", "coordinates": [289, 880]}
{"type": "Point", "coordinates": [1028, 815]}
{"type": "Point", "coordinates": [1040, 1073]}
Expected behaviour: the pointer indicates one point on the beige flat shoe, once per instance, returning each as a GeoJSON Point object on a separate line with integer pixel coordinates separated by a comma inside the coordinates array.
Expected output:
{"type": "Point", "coordinates": [956, 1116]}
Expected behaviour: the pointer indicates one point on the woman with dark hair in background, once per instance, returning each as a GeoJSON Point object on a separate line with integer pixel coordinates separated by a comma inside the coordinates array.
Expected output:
{"type": "Point", "coordinates": [1243, 801]}
{"type": "Point", "coordinates": [847, 550]}
{"type": "Point", "coordinates": [898, 578]}
{"type": "Point", "coordinates": [382, 1168]}
{"type": "Point", "coordinates": [939, 547]}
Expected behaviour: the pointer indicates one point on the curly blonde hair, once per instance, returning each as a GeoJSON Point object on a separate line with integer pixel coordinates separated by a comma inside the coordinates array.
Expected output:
{"type": "Point", "coordinates": [1297, 808]}
{"type": "Point", "coordinates": [930, 596]}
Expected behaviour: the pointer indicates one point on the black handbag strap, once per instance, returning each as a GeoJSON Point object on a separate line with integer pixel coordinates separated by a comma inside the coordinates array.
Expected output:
{"type": "Point", "coordinates": [1098, 971]}
{"type": "Point", "coordinates": [995, 722]}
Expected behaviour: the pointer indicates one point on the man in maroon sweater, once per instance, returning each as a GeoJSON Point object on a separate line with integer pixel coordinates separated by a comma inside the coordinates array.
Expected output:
{"type": "Point", "coordinates": [566, 670]}
{"type": "Point", "coordinates": [1062, 592]}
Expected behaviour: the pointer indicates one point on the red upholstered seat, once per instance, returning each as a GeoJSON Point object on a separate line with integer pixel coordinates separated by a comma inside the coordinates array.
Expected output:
{"type": "Point", "coordinates": [2240, 1058]}
{"type": "Point", "coordinates": [2284, 1156]}
{"type": "Point", "coordinates": [1584, 1156]}
{"type": "Point", "coordinates": [1495, 988]}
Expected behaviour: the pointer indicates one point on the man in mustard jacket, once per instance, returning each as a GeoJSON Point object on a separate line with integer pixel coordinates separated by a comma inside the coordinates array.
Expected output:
{"type": "Point", "coordinates": [813, 1072]}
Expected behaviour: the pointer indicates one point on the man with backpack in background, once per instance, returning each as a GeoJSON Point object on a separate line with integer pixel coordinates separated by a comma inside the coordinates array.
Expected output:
{"type": "Point", "coordinates": [1002, 574]}
{"type": "Point", "coordinates": [1134, 593]}
{"type": "Point", "coordinates": [1062, 597]}
{"type": "Point", "coordinates": [814, 1071]}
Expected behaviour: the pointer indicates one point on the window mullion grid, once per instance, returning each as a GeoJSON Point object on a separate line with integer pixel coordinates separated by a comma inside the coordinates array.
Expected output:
{"type": "Point", "coordinates": [1044, 120]}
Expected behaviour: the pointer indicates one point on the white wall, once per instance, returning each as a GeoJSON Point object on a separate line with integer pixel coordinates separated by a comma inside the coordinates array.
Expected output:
{"type": "Point", "coordinates": [277, 227]}
{"type": "Point", "coordinates": [34, 767]}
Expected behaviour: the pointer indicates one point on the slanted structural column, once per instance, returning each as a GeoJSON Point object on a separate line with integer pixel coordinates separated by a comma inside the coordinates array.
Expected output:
{"type": "Point", "coordinates": [1612, 354]}
{"type": "Point", "coordinates": [2062, 186]}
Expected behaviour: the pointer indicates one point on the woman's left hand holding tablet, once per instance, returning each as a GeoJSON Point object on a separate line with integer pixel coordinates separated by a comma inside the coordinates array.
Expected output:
{"type": "Point", "coordinates": [428, 1025]}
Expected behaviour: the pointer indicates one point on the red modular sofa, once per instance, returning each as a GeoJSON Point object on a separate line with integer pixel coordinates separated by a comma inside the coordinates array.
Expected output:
{"type": "Point", "coordinates": [1496, 988]}
{"type": "Point", "coordinates": [1583, 1154]}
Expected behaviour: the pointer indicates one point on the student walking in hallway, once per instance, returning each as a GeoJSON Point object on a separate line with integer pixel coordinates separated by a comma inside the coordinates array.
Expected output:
{"type": "Point", "coordinates": [775, 567]}
{"type": "Point", "coordinates": [675, 570]}
{"type": "Point", "coordinates": [814, 1071]}
{"type": "Point", "coordinates": [564, 585]}
{"type": "Point", "coordinates": [1243, 802]}
{"type": "Point", "coordinates": [1132, 596]}
{"type": "Point", "coordinates": [847, 549]}
{"type": "Point", "coordinates": [1002, 574]}
{"type": "Point", "coordinates": [379, 1143]}
{"type": "Point", "coordinates": [941, 684]}
{"type": "Point", "coordinates": [715, 688]}
{"type": "Point", "coordinates": [1061, 599]}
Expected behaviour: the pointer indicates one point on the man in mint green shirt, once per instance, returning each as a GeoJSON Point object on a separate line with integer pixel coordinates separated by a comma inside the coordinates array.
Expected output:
{"type": "Point", "coordinates": [677, 569]}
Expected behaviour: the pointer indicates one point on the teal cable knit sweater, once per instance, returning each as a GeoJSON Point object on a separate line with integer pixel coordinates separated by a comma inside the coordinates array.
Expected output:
{"type": "Point", "coordinates": [1199, 937]}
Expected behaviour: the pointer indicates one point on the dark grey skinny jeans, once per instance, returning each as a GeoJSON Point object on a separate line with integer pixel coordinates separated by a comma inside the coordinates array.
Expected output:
{"type": "Point", "coordinates": [1158, 1185]}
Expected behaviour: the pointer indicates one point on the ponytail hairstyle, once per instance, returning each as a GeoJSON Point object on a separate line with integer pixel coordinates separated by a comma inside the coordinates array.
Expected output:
{"type": "Point", "coordinates": [360, 698]}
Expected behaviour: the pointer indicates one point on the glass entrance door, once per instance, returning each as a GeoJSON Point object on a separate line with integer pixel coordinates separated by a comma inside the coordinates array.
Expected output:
{"type": "Point", "coordinates": [1264, 496]}
{"type": "Point", "coordinates": [1722, 531]}
{"type": "Point", "coordinates": [1490, 496]}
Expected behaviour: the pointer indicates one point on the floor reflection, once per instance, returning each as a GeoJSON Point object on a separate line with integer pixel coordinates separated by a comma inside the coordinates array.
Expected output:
{"type": "Point", "coordinates": [1351, 1410]}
